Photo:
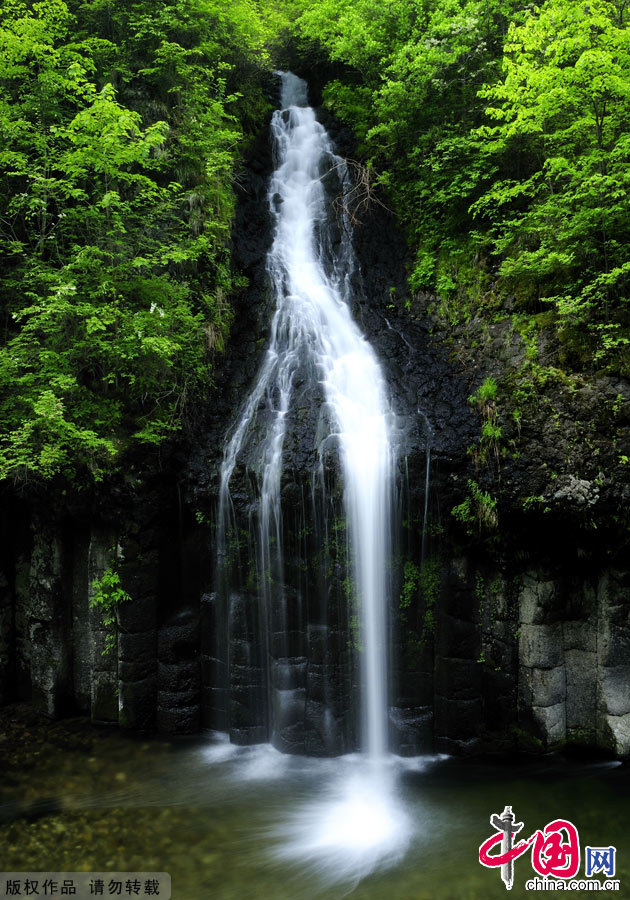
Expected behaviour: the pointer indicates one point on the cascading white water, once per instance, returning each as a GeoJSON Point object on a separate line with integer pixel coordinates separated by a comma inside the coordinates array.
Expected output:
{"type": "Point", "coordinates": [313, 320]}
{"type": "Point", "coordinates": [357, 821]}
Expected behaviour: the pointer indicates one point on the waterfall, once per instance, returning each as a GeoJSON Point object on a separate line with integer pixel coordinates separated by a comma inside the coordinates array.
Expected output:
{"type": "Point", "coordinates": [313, 327]}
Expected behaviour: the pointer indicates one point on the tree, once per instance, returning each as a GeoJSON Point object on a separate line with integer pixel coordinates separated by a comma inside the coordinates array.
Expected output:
{"type": "Point", "coordinates": [561, 221]}
{"type": "Point", "coordinates": [120, 126]}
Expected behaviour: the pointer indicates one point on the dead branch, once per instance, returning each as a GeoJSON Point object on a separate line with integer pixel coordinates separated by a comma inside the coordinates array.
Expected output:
{"type": "Point", "coordinates": [354, 203]}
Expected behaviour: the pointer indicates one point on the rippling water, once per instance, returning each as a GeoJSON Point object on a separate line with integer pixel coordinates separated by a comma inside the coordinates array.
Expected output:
{"type": "Point", "coordinates": [252, 824]}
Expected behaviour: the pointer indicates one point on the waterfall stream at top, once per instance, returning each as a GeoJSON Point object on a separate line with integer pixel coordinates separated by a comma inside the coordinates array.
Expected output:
{"type": "Point", "coordinates": [314, 340]}
{"type": "Point", "coordinates": [313, 320]}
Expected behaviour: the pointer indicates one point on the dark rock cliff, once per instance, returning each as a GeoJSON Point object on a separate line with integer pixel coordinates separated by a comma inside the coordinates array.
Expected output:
{"type": "Point", "coordinates": [511, 632]}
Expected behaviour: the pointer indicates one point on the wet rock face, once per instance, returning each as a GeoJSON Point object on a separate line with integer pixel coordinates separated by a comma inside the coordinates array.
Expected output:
{"type": "Point", "coordinates": [308, 692]}
{"type": "Point", "coordinates": [275, 650]}
{"type": "Point", "coordinates": [545, 666]}
{"type": "Point", "coordinates": [429, 396]}
{"type": "Point", "coordinates": [179, 675]}
{"type": "Point", "coordinates": [64, 657]}
{"type": "Point", "coordinates": [613, 662]}
{"type": "Point", "coordinates": [46, 622]}
{"type": "Point", "coordinates": [247, 694]}
{"type": "Point", "coordinates": [253, 310]}
{"type": "Point", "coordinates": [6, 640]}
{"type": "Point", "coordinates": [527, 646]}
{"type": "Point", "coordinates": [506, 655]}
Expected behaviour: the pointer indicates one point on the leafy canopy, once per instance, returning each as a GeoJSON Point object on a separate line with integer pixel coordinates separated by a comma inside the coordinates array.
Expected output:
{"type": "Point", "coordinates": [501, 132]}
{"type": "Point", "coordinates": [120, 126]}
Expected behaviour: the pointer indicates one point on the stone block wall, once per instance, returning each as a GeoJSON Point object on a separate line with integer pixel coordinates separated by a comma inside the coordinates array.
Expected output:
{"type": "Point", "coordinates": [525, 659]}
{"type": "Point", "coordinates": [533, 660]}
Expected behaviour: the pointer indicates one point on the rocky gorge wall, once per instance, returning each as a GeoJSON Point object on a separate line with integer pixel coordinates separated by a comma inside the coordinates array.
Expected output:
{"type": "Point", "coordinates": [515, 638]}
{"type": "Point", "coordinates": [531, 660]}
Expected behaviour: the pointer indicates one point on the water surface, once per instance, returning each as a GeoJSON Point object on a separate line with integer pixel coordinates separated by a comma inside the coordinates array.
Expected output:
{"type": "Point", "coordinates": [228, 822]}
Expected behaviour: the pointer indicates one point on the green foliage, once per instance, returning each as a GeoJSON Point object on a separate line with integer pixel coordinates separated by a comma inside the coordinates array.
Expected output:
{"type": "Point", "coordinates": [501, 132]}
{"type": "Point", "coordinates": [478, 512]}
{"type": "Point", "coordinates": [107, 595]}
{"type": "Point", "coordinates": [560, 220]}
{"type": "Point", "coordinates": [430, 584]}
{"type": "Point", "coordinates": [484, 399]}
{"type": "Point", "coordinates": [349, 588]}
{"type": "Point", "coordinates": [532, 502]}
{"type": "Point", "coordinates": [526, 741]}
{"type": "Point", "coordinates": [354, 624]}
{"type": "Point", "coordinates": [120, 126]}
{"type": "Point", "coordinates": [418, 66]}
{"type": "Point", "coordinates": [420, 583]}
{"type": "Point", "coordinates": [485, 394]}
{"type": "Point", "coordinates": [411, 581]}
{"type": "Point", "coordinates": [490, 433]}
